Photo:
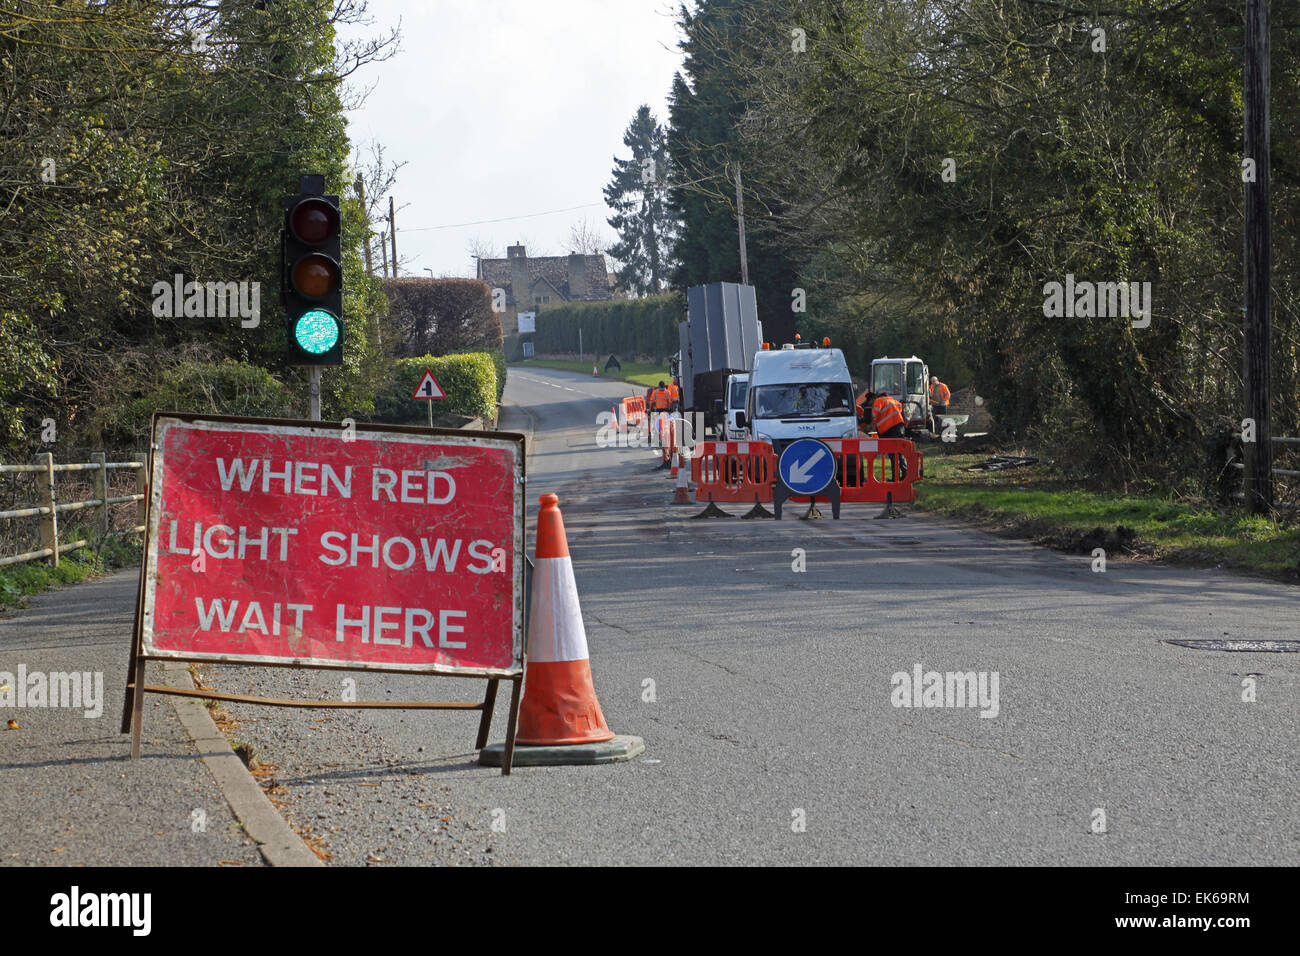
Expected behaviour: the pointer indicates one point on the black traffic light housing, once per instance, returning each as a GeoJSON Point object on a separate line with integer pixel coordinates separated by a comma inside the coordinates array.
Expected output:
{"type": "Point", "coordinates": [311, 274]}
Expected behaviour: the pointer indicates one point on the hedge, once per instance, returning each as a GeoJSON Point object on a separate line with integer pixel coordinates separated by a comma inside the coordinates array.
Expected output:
{"type": "Point", "coordinates": [468, 378]}
{"type": "Point", "coordinates": [626, 327]}
{"type": "Point", "coordinates": [227, 387]}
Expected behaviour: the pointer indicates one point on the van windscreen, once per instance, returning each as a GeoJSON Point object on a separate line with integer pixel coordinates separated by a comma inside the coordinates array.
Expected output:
{"type": "Point", "coordinates": [803, 400]}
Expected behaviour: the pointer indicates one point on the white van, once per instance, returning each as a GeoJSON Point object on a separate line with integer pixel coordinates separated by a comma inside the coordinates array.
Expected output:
{"type": "Point", "coordinates": [737, 390]}
{"type": "Point", "coordinates": [802, 392]}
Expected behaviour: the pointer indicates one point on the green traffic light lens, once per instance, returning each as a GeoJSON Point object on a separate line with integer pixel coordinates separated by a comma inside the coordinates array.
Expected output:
{"type": "Point", "coordinates": [316, 331]}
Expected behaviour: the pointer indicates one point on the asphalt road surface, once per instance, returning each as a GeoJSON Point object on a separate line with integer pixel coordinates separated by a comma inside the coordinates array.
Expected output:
{"type": "Point", "coordinates": [766, 700]}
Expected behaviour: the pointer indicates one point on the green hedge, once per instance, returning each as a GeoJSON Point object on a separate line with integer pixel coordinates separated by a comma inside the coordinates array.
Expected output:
{"type": "Point", "coordinates": [469, 379]}
{"type": "Point", "coordinates": [625, 327]}
{"type": "Point", "coordinates": [227, 387]}
{"type": "Point", "coordinates": [498, 357]}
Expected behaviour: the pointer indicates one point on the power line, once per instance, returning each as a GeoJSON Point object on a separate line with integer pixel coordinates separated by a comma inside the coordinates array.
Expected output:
{"type": "Point", "coordinates": [482, 222]}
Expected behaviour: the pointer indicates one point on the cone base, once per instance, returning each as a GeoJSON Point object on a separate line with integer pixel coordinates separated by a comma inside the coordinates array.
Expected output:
{"type": "Point", "coordinates": [621, 748]}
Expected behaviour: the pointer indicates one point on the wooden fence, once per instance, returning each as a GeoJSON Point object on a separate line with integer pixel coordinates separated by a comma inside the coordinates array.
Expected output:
{"type": "Point", "coordinates": [48, 508]}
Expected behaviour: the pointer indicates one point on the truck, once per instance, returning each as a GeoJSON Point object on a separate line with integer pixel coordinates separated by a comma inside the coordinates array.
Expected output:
{"type": "Point", "coordinates": [719, 338]}
{"type": "Point", "coordinates": [737, 391]}
{"type": "Point", "coordinates": [908, 380]}
{"type": "Point", "coordinates": [799, 391]}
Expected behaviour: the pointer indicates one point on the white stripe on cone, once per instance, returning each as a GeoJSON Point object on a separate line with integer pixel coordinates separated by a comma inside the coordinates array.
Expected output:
{"type": "Point", "coordinates": [555, 631]}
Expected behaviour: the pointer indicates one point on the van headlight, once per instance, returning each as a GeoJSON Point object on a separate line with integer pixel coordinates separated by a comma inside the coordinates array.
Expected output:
{"type": "Point", "coordinates": [851, 433]}
{"type": "Point", "coordinates": [759, 436]}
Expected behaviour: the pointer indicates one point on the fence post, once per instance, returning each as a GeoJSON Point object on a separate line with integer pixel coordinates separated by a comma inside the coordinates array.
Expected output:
{"type": "Point", "coordinates": [142, 488]}
{"type": "Point", "coordinates": [101, 492]}
{"type": "Point", "coordinates": [50, 522]}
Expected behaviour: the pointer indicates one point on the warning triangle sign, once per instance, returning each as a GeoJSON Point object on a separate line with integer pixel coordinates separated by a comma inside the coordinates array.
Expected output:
{"type": "Point", "coordinates": [428, 389]}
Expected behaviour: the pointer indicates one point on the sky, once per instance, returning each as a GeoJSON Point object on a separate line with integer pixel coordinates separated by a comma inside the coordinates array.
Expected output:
{"type": "Point", "coordinates": [502, 109]}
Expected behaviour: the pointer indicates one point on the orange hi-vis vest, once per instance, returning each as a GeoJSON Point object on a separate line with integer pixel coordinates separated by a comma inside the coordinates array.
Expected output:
{"type": "Point", "coordinates": [939, 393]}
{"type": "Point", "coordinates": [886, 412]}
{"type": "Point", "coordinates": [660, 400]}
{"type": "Point", "coordinates": [674, 394]}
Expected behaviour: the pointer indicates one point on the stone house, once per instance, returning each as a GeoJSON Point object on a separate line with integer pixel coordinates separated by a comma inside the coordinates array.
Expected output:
{"type": "Point", "coordinates": [532, 284]}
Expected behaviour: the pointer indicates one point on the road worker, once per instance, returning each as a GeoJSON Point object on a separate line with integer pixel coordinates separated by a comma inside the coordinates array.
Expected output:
{"type": "Point", "coordinates": [939, 396]}
{"type": "Point", "coordinates": [661, 398]}
{"type": "Point", "coordinates": [674, 396]}
{"type": "Point", "coordinates": [887, 420]}
{"type": "Point", "coordinates": [659, 403]}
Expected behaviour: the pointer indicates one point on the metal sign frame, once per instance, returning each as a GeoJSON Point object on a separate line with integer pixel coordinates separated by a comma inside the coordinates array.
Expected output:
{"type": "Point", "coordinates": [142, 652]}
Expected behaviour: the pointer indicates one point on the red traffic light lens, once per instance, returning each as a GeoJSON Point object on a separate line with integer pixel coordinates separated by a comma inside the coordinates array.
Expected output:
{"type": "Point", "coordinates": [313, 221]}
{"type": "Point", "coordinates": [315, 275]}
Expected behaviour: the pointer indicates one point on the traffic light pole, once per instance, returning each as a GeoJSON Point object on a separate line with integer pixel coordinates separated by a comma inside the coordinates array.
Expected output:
{"type": "Point", "coordinates": [315, 393]}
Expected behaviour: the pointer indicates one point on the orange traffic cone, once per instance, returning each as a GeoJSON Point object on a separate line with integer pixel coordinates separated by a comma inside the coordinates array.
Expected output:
{"type": "Point", "coordinates": [559, 705]}
{"type": "Point", "coordinates": [594, 373]}
{"type": "Point", "coordinates": [681, 495]}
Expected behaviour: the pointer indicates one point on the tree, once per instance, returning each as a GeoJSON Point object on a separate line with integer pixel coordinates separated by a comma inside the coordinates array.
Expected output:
{"type": "Point", "coordinates": [948, 160]}
{"type": "Point", "coordinates": [637, 193]}
{"type": "Point", "coordinates": [442, 316]}
{"type": "Point", "coordinates": [707, 106]}
{"type": "Point", "coordinates": [585, 239]}
{"type": "Point", "coordinates": [151, 138]}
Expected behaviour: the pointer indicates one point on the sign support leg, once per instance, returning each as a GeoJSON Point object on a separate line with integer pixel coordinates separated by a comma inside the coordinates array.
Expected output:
{"type": "Point", "coordinates": [779, 494]}
{"type": "Point", "coordinates": [137, 707]}
{"type": "Point", "coordinates": [508, 757]}
{"type": "Point", "coordinates": [485, 722]}
{"type": "Point", "coordinates": [133, 690]}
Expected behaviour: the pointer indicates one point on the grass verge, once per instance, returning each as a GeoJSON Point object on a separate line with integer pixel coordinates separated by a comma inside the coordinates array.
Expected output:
{"type": "Point", "coordinates": [635, 372]}
{"type": "Point", "coordinates": [19, 581]}
{"type": "Point", "coordinates": [1032, 503]}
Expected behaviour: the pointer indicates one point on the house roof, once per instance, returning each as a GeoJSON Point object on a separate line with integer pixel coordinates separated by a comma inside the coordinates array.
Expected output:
{"type": "Point", "coordinates": [555, 270]}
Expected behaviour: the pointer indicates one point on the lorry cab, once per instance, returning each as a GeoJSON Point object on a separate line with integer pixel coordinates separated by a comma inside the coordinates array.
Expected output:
{"type": "Point", "coordinates": [799, 393]}
{"type": "Point", "coordinates": [737, 391]}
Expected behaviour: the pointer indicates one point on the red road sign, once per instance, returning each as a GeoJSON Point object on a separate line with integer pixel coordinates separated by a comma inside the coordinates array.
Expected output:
{"type": "Point", "coordinates": [428, 389]}
{"type": "Point", "coordinates": [284, 543]}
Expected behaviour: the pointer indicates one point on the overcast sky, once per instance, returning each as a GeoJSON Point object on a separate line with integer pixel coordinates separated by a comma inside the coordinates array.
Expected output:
{"type": "Point", "coordinates": [502, 109]}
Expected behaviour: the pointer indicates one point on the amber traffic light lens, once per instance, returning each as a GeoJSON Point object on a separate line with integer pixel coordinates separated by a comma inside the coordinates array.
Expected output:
{"type": "Point", "coordinates": [313, 221]}
{"type": "Point", "coordinates": [315, 275]}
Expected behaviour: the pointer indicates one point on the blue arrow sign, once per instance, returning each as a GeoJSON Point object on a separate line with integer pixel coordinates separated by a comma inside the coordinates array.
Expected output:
{"type": "Point", "coordinates": [806, 466]}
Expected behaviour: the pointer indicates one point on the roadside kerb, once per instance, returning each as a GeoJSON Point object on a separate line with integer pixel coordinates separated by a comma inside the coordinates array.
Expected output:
{"type": "Point", "coordinates": [276, 840]}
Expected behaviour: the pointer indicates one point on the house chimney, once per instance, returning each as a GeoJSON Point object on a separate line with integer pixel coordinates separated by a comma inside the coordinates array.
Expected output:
{"type": "Point", "coordinates": [520, 279]}
{"type": "Point", "coordinates": [577, 266]}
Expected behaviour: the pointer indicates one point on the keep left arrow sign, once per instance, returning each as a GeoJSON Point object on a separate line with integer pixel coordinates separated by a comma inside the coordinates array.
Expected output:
{"type": "Point", "coordinates": [801, 471]}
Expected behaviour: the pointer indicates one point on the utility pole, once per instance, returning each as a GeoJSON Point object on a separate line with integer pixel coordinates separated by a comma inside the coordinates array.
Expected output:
{"type": "Point", "coordinates": [740, 216]}
{"type": "Point", "coordinates": [361, 195]}
{"type": "Point", "coordinates": [392, 234]}
{"type": "Point", "coordinates": [1259, 262]}
{"type": "Point", "coordinates": [383, 247]}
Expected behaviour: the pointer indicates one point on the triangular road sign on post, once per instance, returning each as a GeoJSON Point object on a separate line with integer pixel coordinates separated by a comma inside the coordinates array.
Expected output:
{"type": "Point", "coordinates": [428, 389]}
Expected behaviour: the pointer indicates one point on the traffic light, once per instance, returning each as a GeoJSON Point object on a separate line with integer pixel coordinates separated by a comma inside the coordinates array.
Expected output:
{"type": "Point", "coordinates": [311, 274]}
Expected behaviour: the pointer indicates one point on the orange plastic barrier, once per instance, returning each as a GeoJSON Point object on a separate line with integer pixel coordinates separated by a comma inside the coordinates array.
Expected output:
{"type": "Point", "coordinates": [865, 472]}
{"type": "Point", "coordinates": [734, 471]}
